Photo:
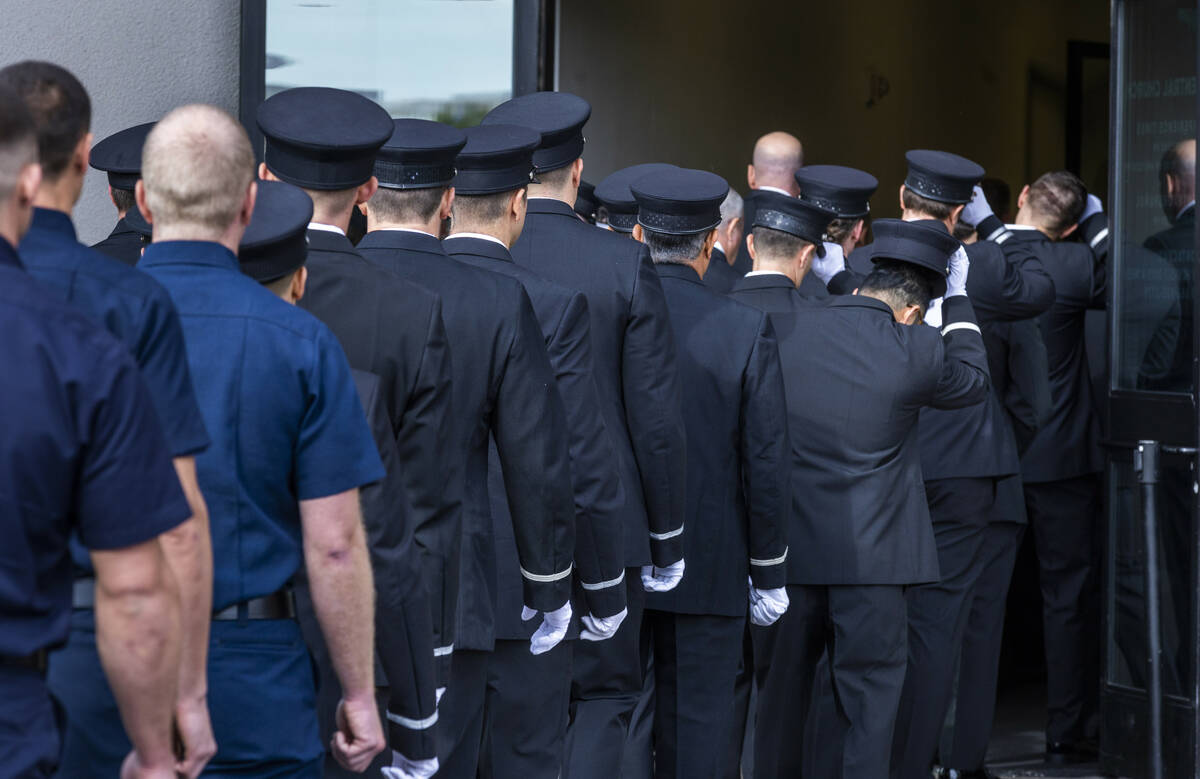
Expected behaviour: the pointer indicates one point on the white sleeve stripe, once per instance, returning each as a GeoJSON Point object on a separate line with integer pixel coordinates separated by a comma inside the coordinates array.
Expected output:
{"type": "Point", "coordinates": [1100, 236]}
{"type": "Point", "coordinates": [670, 534]}
{"type": "Point", "coordinates": [1001, 239]}
{"type": "Point", "coordinates": [550, 577]}
{"type": "Point", "coordinates": [414, 724]}
{"type": "Point", "coordinates": [950, 328]}
{"type": "Point", "coordinates": [442, 651]}
{"type": "Point", "coordinates": [604, 585]}
{"type": "Point", "coordinates": [774, 561]}
{"type": "Point", "coordinates": [997, 234]}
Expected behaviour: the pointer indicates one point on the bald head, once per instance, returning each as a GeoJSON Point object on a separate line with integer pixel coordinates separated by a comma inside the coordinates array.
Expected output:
{"type": "Point", "coordinates": [777, 157]}
{"type": "Point", "coordinates": [197, 171]}
{"type": "Point", "coordinates": [1178, 177]}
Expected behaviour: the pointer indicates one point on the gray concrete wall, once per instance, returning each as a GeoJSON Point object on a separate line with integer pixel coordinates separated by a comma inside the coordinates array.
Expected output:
{"type": "Point", "coordinates": [694, 82]}
{"type": "Point", "coordinates": [137, 59]}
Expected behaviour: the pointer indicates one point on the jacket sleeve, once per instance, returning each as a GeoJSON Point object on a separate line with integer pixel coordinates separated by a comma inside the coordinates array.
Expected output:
{"type": "Point", "coordinates": [654, 412]}
{"type": "Point", "coordinates": [530, 429]}
{"type": "Point", "coordinates": [1019, 287]}
{"type": "Point", "coordinates": [965, 379]}
{"type": "Point", "coordinates": [1027, 397]}
{"type": "Point", "coordinates": [432, 477]}
{"type": "Point", "coordinates": [599, 532]}
{"type": "Point", "coordinates": [1094, 232]}
{"type": "Point", "coordinates": [766, 460]}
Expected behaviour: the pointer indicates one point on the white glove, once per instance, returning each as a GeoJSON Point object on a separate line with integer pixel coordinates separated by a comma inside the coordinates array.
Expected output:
{"type": "Point", "coordinates": [601, 628]}
{"type": "Point", "coordinates": [977, 209]}
{"type": "Point", "coordinates": [956, 279]}
{"type": "Point", "coordinates": [403, 768]}
{"type": "Point", "coordinates": [766, 606]}
{"type": "Point", "coordinates": [552, 630]}
{"type": "Point", "coordinates": [833, 263]}
{"type": "Point", "coordinates": [1093, 207]}
{"type": "Point", "coordinates": [933, 314]}
{"type": "Point", "coordinates": [655, 579]}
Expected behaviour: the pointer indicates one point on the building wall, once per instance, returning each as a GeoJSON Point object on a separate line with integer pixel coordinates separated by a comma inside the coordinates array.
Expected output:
{"type": "Point", "coordinates": [137, 60]}
{"type": "Point", "coordinates": [695, 82]}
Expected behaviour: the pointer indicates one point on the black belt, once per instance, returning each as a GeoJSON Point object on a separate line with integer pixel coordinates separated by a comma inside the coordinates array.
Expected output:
{"type": "Point", "coordinates": [34, 662]}
{"type": "Point", "coordinates": [277, 605]}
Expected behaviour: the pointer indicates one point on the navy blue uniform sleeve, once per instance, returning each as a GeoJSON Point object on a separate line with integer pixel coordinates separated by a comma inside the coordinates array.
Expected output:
{"type": "Point", "coordinates": [128, 492]}
{"type": "Point", "coordinates": [1094, 232]}
{"type": "Point", "coordinates": [334, 450]}
{"type": "Point", "coordinates": [530, 428]}
{"type": "Point", "coordinates": [766, 460]}
{"type": "Point", "coordinates": [654, 412]}
{"type": "Point", "coordinates": [599, 536]}
{"type": "Point", "coordinates": [161, 354]}
{"type": "Point", "coordinates": [965, 377]}
{"type": "Point", "coordinates": [1007, 280]}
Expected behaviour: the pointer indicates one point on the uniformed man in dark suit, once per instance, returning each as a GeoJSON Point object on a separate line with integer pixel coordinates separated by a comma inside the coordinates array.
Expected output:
{"type": "Point", "coordinates": [82, 456]}
{"type": "Point", "coordinates": [503, 392]}
{"type": "Point", "coordinates": [737, 466]}
{"type": "Point", "coordinates": [1061, 467]}
{"type": "Point", "coordinates": [639, 390]}
{"type": "Point", "coordinates": [862, 533]}
{"type": "Point", "coordinates": [120, 156]}
{"type": "Point", "coordinates": [140, 314]}
{"type": "Point", "coordinates": [847, 192]}
{"type": "Point", "coordinates": [404, 345]}
{"type": "Point", "coordinates": [290, 449]}
{"type": "Point", "coordinates": [617, 203]}
{"type": "Point", "coordinates": [720, 275]}
{"type": "Point", "coordinates": [777, 156]}
{"type": "Point", "coordinates": [528, 695]}
{"type": "Point", "coordinates": [586, 203]}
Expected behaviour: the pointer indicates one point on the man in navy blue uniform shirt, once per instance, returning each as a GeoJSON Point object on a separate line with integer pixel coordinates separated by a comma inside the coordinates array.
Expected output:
{"type": "Point", "coordinates": [82, 454]}
{"type": "Point", "coordinates": [140, 314]}
{"type": "Point", "coordinates": [290, 449]}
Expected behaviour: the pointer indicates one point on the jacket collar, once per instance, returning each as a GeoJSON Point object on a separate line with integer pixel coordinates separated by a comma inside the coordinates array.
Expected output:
{"type": "Point", "coordinates": [53, 221]}
{"type": "Point", "coordinates": [548, 205]}
{"type": "Point", "coordinates": [8, 255]}
{"type": "Point", "coordinates": [122, 228]}
{"type": "Point", "coordinates": [767, 281]}
{"type": "Point", "coordinates": [207, 253]}
{"type": "Point", "coordinates": [861, 301]}
{"type": "Point", "coordinates": [672, 270]}
{"type": "Point", "coordinates": [465, 244]}
{"type": "Point", "coordinates": [328, 241]}
{"type": "Point", "coordinates": [407, 240]}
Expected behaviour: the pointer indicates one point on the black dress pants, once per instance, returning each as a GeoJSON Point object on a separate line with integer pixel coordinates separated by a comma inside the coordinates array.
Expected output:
{"type": "Point", "coordinates": [525, 711]}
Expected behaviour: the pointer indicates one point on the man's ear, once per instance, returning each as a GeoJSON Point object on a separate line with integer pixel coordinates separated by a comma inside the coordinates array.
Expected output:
{"type": "Point", "coordinates": [955, 215]}
{"type": "Point", "coordinates": [299, 283]}
{"type": "Point", "coordinates": [446, 207]}
{"type": "Point", "coordinates": [264, 173]}
{"type": "Point", "coordinates": [902, 190]}
{"type": "Point", "coordinates": [735, 227]}
{"type": "Point", "coordinates": [28, 181]}
{"type": "Point", "coordinates": [750, 247]}
{"type": "Point", "coordinates": [1067, 232]}
{"type": "Point", "coordinates": [366, 190]}
{"type": "Point", "coordinates": [859, 232]}
{"type": "Point", "coordinates": [248, 203]}
{"type": "Point", "coordinates": [139, 196]}
{"type": "Point", "coordinates": [1021, 198]}
{"type": "Point", "coordinates": [804, 258]}
{"type": "Point", "coordinates": [750, 176]}
{"type": "Point", "coordinates": [83, 152]}
{"type": "Point", "coordinates": [710, 241]}
{"type": "Point", "coordinates": [516, 205]}
{"type": "Point", "coordinates": [909, 315]}
{"type": "Point", "coordinates": [638, 234]}
{"type": "Point", "coordinates": [576, 173]}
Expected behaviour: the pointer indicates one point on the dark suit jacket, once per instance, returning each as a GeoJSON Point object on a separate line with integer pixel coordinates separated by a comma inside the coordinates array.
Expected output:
{"type": "Point", "coordinates": [1067, 445]}
{"type": "Point", "coordinates": [599, 539]}
{"type": "Point", "coordinates": [1177, 245]}
{"type": "Point", "coordinates": [856, 381]}
{"type": "Point", "coordinates": [1006, 282]}
{"type": "Point", "coordinates": [737, 437]}
{"type": "Point", "coordinates": [636, 375]}
{"type": "Point", "coordinates": [123, 244]}
{"type": "Point", "coordinates": [720, 277]}
{"type": "Point", "coordinates": [405, 346]}
{"type": "Point", "coordinates": [502, 388]}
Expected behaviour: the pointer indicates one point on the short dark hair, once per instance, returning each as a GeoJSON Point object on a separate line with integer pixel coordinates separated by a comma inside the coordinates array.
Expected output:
{"type": "Point", "coordinates": [406, 205]}
{"type": "Point", "coordinates": [776, 244]}
{"type": "Point", "coordinates": [963, 231]}
{"type": "Point", "coordinates": [674, 249]}
{"type": "Point", "coordinates": [18, 139]}
{"type": "Point", "coordinates": [123, 199]}
{"type": "Point", "coordinates": [840, 229]}
{"type": "Point", "coordinates": [934, 208]}
{"type": "Point", "coordinates": [481, 208]}
{"type": "Point", "coordinates": [557, 177]}
{"type": "Point", "coordinates": [59, 105]}
{"type": "Point", "coordinates": [1057, 199]}
{"type": "Point", "coordinates": [899, 284]}
{"type": "Point", "coordinates": [998, 195]}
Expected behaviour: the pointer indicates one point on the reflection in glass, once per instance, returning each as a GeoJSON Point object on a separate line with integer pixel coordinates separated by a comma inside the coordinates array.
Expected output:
{"type": "Point", "coordinates": [428, 59]}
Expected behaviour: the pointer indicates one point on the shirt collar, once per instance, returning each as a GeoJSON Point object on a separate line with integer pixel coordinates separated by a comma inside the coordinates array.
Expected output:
{"type": "Point", "coordinates": [482, 237]}
{"type": "Point", "coordinates": [768, 273]}
{"type": "Point", "coordinates": [8, 255]}
{"type": "Point", "coordinates": [54, 221]}
{"type": "Point", "coordinates": [1022, 227]}
{"type": "Point", "coordinates": [208, 253]}
{"type": "Point", "coordinates": [1184, 210]}
{"type": "Point", "coordinates": [326, 228]}
{"type": "Point", "coordinates": [395, 230]}
{"type": "Point", "coordinates": [765, 188]}
{"type": "Point", "coordinates": [717, 247]}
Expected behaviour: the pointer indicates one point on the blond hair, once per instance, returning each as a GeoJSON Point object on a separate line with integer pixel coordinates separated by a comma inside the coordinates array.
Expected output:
{"type": "Point", "coordinates": [196, 167]}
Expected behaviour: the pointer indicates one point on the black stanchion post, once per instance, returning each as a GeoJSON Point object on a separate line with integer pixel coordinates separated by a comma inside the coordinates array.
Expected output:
{"type": "Point", "coordinates": [1145, 462]}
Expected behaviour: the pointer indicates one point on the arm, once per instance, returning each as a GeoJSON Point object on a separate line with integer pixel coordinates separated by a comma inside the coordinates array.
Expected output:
{"type": "Point", "coordinates": [654, 412]}
{"type": "Point", "coordinates": [529, 426]}
{"type": "Point", "coordinates": [339, 575]}
{"type": "Point", "coordinates": [188, 551]}
{"type": "Point", "coordinates": [766, 460]}
{"type": "Point", "coordinates": [1027, 398]}
{"type": "Point", "coordinates": [964, 380]}
{"type": "Point", "coordinates": [1017, 286]}
{"type": "Point", "coordinates": [599, 533]}
{"type": "Point", "coordinates": [137, 637]}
